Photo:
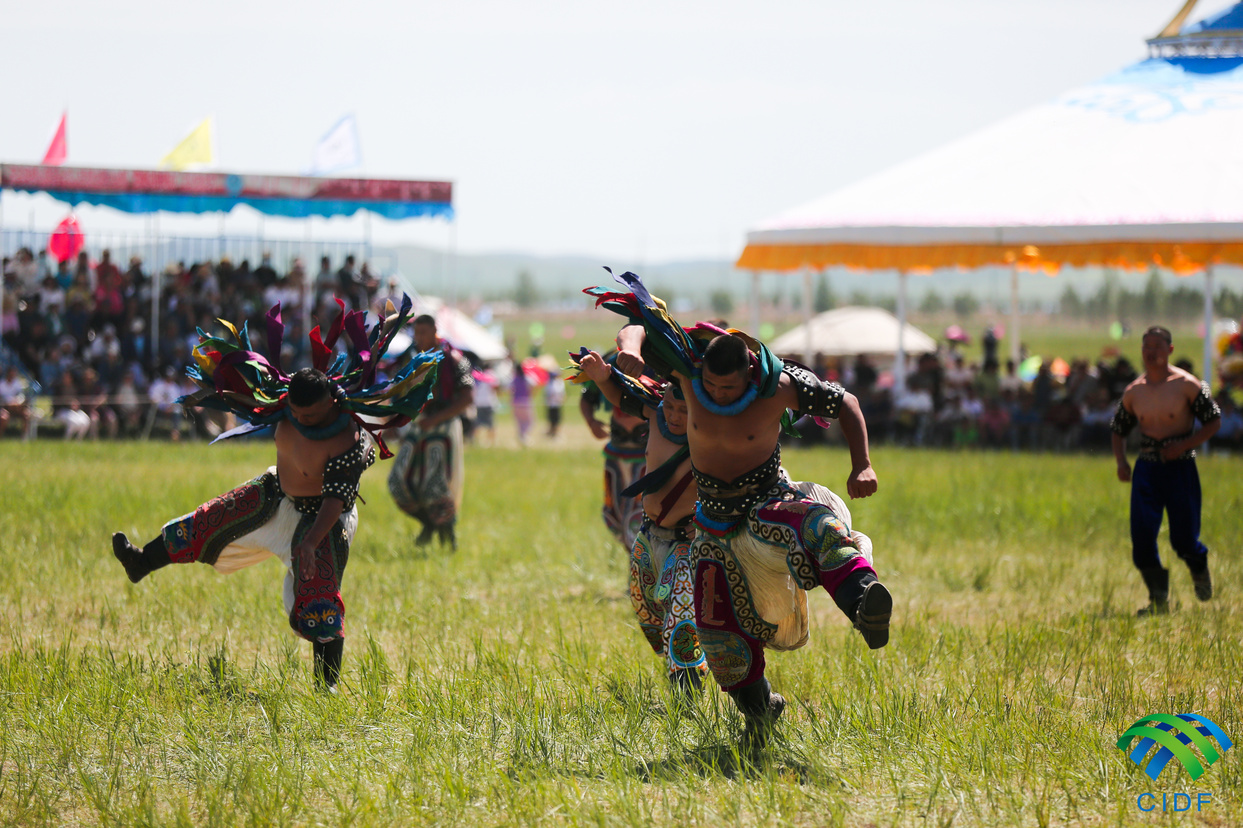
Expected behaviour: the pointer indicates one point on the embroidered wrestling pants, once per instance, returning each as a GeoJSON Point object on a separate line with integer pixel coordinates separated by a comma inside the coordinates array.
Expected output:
{"type": "Point", "coordinates": [751, 580]}
{"type": "Point", "coordinates": [662, 595]}
{"type": "Point", "coordinates": [256, 521]}
{"type": "Point", "coordinates": [427, 479]}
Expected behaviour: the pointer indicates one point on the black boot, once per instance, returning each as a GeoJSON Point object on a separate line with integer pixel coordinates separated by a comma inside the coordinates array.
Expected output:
{"type": "Point", "coordinates": [1203, 583]}
{"type": "Point", "coordinates": [139, 563]}
{"type": "Point", "coordinates": [449, 536]}
{"type": "Point", "coordinates": [1157, 578]}
{"type": "Point", "coordinates": [687, 685]}
{"type": "Point", "coordinates": [868, 605]}
{"type": "Point", "coordinates": [327, 663]}
{"type": "Point", "coordinates": [761, 708]}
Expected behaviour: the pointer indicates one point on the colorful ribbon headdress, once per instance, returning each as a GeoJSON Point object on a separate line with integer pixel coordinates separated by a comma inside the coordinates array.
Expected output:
{"type": "Point", "coordinates": [233, 377]}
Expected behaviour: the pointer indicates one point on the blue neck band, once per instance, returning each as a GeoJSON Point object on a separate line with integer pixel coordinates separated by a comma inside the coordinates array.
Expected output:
{"type": "Point", "coordinates": [320, 432]}
{"type": "Point", "coordinates": [676, 439]}
{"type": "Point", "coordinates": [736, 407]}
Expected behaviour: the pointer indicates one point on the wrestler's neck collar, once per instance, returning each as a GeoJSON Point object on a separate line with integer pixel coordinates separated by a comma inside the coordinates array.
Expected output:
{"type": "Point", "coordinates": [320, 432]}
{"type": "Point", "coordinates": [736, 407]}
{"type": "Point", "coordinates": [676, 439]}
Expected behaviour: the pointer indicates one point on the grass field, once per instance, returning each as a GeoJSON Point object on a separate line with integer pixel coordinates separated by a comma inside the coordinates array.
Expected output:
{"type": "Point", "coordinates": [508, 683]}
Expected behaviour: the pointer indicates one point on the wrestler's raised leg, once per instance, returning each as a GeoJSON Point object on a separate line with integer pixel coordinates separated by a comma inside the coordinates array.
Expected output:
{"type": "Point", "coordinates": [139, 563]}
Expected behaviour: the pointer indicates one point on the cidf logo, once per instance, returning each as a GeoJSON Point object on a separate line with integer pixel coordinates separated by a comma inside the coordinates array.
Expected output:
{"type": "Point", "coordinates": [1176, 735]}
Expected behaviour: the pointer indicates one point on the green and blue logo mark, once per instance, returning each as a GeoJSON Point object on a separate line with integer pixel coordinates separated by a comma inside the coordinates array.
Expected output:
{"type": "Point", "coordinates": [1174, 734]}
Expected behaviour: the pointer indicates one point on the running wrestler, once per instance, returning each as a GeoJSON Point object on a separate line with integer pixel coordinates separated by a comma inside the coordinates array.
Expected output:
{"type": "Point", "coordinates": [302, 510]}
{"type": "Point", "coordinates": [661, 590]}
{"type": "Point", "coordinates": [428, 478]}
{"type": "Point", "coordinates": [623, 460]}
{"type": "Point", "coordinates": [760, 540]}
{"type": "Point", "coordinates": [1165, 402]}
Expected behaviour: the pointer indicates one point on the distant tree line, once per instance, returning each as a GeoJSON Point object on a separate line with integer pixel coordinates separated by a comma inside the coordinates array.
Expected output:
{"type": "Point", "coordinates": [1155, 301]}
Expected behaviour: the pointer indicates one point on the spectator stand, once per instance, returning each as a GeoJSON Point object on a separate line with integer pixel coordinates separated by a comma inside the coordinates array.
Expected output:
{"type": "Point", "coordinates": [98, 336]}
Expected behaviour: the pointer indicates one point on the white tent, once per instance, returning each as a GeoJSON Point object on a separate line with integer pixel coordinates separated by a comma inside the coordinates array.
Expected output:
{"type": "Point", "coordinates": [1140, 168]}
{"type": "Point", "coordinates": [851, 331]}
{"type": "Point", "coordinates": [460, 330]}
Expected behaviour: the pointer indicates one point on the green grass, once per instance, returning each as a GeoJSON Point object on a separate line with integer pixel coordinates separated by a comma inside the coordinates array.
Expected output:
{"type": "Point", "coordinates": [508, 684]}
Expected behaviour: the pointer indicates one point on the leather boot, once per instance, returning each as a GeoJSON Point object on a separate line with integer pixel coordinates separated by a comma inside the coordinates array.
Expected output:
{"type": "Point", "coordinates": [1157, 578]}
{"type": "Point", "coordinates": [328, 663]}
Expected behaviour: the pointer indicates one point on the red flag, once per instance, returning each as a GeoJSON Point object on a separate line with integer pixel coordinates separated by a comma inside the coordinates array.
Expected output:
{"type": "Point", "coordinates": [59, 148]}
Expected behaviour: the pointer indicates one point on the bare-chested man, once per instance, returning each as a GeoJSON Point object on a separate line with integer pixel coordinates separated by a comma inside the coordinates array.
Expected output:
{"type": "Point", "coordinates": [661, 589]}
{"type": "Point", "coordinates": [1165, 402]}
{"type": "Point", "coordinates": [761, 540]}
{"type": "Point", "coordinates": [301, 511]}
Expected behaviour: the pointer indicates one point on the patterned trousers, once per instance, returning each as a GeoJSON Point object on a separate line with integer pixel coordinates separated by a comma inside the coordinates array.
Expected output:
{"type": "Point", "coordinates": [257, 521]}
{"type": "Point", "coordinates": [662, 595]}
{"type": "Point", "coordinates": [427, 479]}
{"type": "Point", "coordinates": [750, 582]}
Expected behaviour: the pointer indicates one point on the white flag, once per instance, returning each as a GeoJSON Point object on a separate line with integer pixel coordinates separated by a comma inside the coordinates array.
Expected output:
{"type": "Point", "coordinates": [338, 149]}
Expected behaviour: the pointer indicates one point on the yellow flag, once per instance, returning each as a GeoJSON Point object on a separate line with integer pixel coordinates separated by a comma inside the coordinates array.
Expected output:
{"type": "Point", "coordinates": [194, 149]}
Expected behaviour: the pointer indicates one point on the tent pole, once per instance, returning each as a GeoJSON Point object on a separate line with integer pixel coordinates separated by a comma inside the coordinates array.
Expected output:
{"type": "Point", "coordinates": [1014, 314]}
{"type": "Point", "coordinates": [157, 272]}
{"type": "Point", "coordinates": [1206, 373]}
{"type": "Point", "coordinates": [808, 352]}
{"type": "Point", "coordinates": [899, 362]}
{"type": "Point", "coordinates": [755, 303]}
{"type": "Point", "coordinates": [2, 288]}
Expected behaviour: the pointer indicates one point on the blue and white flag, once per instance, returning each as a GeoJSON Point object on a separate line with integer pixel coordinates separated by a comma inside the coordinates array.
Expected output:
{"type": "Point", "coordinates": [338, 149]}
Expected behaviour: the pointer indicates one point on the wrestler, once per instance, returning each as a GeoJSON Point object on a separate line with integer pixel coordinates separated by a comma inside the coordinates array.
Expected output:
{"type": "Point", "coordinates": [302, 510]}
{"type": "Point", "coordinates": [661, 590]}
{"type": "Point", "coordinates": [428, 477]}
{"type": "Point", "coordinates": [1165, 402]}
{"type": "Point", "coordinates": [761, 540]}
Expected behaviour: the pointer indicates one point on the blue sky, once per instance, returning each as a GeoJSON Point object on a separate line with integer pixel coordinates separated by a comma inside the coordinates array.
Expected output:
{"type": "Point", "coordinates": [639, 131]}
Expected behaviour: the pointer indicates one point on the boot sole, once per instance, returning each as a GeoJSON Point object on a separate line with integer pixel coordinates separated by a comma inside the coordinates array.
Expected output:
{"type": "Point", "coordinates": [874, 613]}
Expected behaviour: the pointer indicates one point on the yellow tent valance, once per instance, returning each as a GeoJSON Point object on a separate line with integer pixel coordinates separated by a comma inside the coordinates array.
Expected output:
{"type": "Point", "coordinates": [1181, 257]}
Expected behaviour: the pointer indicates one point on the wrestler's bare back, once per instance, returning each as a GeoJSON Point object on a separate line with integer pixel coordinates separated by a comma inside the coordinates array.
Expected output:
{"type": "Point", "coordinates": [300, 461]}
{"type": "Point", "coordinates": [1163, 406]}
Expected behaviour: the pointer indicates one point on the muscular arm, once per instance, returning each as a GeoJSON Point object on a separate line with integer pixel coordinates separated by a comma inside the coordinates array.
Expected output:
{"type": "Point", "coordinates": [630, 341]}
{"type": "Point", "coordinates": [1205, 409]}
{"type": "Point", "coordinates": [588, 410]}
{"type": "Point", "coordinates": [599, 372]}
{"type": "Point", "coordinates": [1118, 443]}
{"type": "Point", "coordinates": [304, 552]}
{"type": "Point", "coordinates": [862, 479]}
{"type": "Point", "coordinates": [1120, 426]}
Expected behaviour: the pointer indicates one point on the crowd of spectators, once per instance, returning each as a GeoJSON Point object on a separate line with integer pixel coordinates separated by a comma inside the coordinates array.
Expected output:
{"type": "Point", "coordinates": [80, 333]}
{"type": "Point", "coordinates": [949, 402]}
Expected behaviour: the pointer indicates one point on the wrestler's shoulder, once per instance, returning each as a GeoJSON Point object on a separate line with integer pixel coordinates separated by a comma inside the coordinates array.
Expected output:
{"type": "Point", "coordinates": [1187, 379]}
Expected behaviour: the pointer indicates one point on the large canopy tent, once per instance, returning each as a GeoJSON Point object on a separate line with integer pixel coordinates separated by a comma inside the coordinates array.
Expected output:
{"type": "Point", "coordinates": [152, 191]}
{"type": "Point", "coordinates": [1138, 169]}
{"type": "Point", "coordinates": [852, 331]}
